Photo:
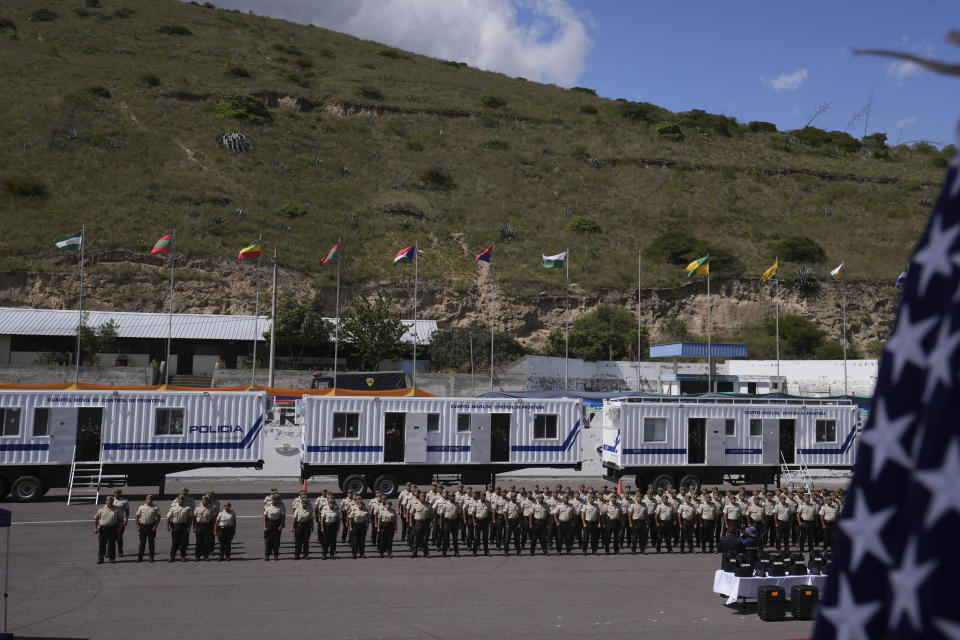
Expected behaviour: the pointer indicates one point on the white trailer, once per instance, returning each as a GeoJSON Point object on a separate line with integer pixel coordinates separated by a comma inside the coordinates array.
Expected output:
{"type": "Point", "coordinates": [382, 442]}
{"type": "Point", "coordinates": [139, 435]}
{"type": "Point", "coordinates": [680, 441]}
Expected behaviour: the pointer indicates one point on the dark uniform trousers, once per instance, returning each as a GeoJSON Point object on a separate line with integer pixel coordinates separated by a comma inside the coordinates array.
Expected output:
{"type": "Point", "coordinates": [612, 535]}
{"type": "Point", "coordinates": [654, 531]}
{"type": "Point", "coordinates": [591, 536]}
{"type": "Point", "coordinates": [565, 536]}
{"type": "Point", "coordinates": [686, 535]}
{"type": "Point", "coordinates": [330, 539]}
{"type": "Point", "coordinates": [204, 539]}
{"type": "Point", "coordinates": [373, 535]}
{"type": "Point", "coordinates": [271, 539]}
{"type": "Point", "coordinates": [451, 531]}
{"type": "Point", "coordinates": [346, 528]}
{"type": "Point", "coordinates": [761, 529]}
{"type": "Point", "coordinates": [148, 537]}
{"type": "Point", "coordinates": [783, 535]}
{"type": "Point", "coordinates": [706, 535]}
{"type": "Point", "coordinates": [806, 535]}
{"type": "Point", "coordinates": [828, 528]}
{"type": "Point", "coordinates": [524, 531]}
{"type": "Point", "coordinates": [638, 536]}
{"type": "Point", "coordinates": [385, 537]}
{"type": "Point", "coordinates": [120, 529]}
{"type": "Point", "coordinates": [539, 535]}
{"type": "Point", "coordinates": [179, 538]}
{"type": "Point", "coordinates": [512, 531]}
{"type": "Point", "coordinates": [421, 533]}
{"type": "Point", "coordinates": [225, 536]}
{"type": "Point", "coordinates": [666, 532]}
{"type": "Point", "coordinates": [301, 538]}
{"type": "Point", "coordinates": [358, 539]}
{"type": "Point", "coordinates": [770, 529]}
{"type": "Point", "coordinates": [480, 534]}
{"type": "Point", "coordinates": [107, 542]}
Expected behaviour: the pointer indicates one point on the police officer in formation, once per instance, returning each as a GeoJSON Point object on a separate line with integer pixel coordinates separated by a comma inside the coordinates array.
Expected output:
{"type": "Point", "coordinates": [121, 503]}
{"type": "Point", "coordinates": [273, 519]}
{"type": "Point", "coordinates": [226, 528]}
{"type": "Point", "coordinates": [147, 519]}
{"type": "Point", "coordinates": [302, 525]}
{"type": "Point", "coordinates": [106, 523]}
{"type": "Point", "coordinates": [179, 517]}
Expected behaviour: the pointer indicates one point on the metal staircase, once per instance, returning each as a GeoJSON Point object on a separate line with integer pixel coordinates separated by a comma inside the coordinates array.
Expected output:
{"type": "Point", "coordinates": [86, 479]}
{"type": "Point", "coordinates": [798, 474]}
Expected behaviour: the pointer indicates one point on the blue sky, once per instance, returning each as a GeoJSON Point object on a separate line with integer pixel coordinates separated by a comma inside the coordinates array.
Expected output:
{"type": "Point", "coordinates": [753, 60]}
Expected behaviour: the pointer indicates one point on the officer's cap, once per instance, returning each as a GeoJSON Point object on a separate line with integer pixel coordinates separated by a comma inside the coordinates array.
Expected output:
{"type": "Point", "coordinates": [149, 496]}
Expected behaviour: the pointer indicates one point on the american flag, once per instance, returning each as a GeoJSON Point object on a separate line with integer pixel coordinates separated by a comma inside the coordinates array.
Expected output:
{"type": "Point", "coordinates": [896, 560]}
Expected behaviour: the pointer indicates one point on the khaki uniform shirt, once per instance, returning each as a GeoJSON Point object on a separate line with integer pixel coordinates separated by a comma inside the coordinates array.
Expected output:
{"type": "Point", "coordinates": [613, 511]}
{"type": "Point", "coordinates": [808, 512]}
{"type": "Point", "coordinates": [421, 511]}
{"type": "Point", "coordinates": [526, 507]}
{"type": "Point", "coordinates": [124, 505]}
{"type": "Point", "coordinates": [148, 514]}
{"type": "Point", "coordinates": [755, 513]}
{"type": "Point", "coordinates": [273, 512]}
{"type": "Point", "coordinates": [512, 511]}
{"type": "Point", "coordinates": [450, 510]}
{"type": "Point", "coordinates": [687, 512]}
{"type": "Point", "coordinates": [829, 512]}
{"type": "Point", "coordinates": [227, 519]}
{"type": "Point", "coordinates": [590, 512]}
{"type": "Point", "coordinates": [540, 511]}
{"type": "Point", "coordinates": [388, 516]}
{"type": "Point", "coordinates": [565, 512]}
{"type": "Point", "coordinates": [482, 509]}
{"type": "Point", "coordinates": [330, 515]}
{"type": "Point", "coordinates": [469, 506]}
{"type": "Point", "coordinates": [783, 512]}
{"type": "Point", "coordinates": [109, 516]}
{"type": "Point", "coordinates": [707, 511]}
{"type": "Point", "coordinates": [302, 513]}
{"type": "Point", "coordinates": [179, 514]}
{"type": "Point", "coordinates": [637, 512]}
{"type": "Point", "coordinates": [664, 512]}
{"type": "Point", "coordinates": [202, 514]}
{"type": "Point", "coordinates": [359, 516]}
{"type": "Point", "coordinates": [732, 511]}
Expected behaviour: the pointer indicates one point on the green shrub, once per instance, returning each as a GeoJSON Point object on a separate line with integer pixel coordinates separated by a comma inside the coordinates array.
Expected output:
{"type": "Point", "coordinates": [122, 12]}
{"type": "Point", "coordinates": [698, 118]}
{"type": "Point", "coordinates": [583, 224]}
{"type": "Point", "coordinates": [98, 91]}
{"type": "Point", "coordinates": [414, 145]}
{"type": "Point", "coordinates": [493, 102]}
{"type": "Point", "coordinates": [93, 4]}
{"type": "Point", "coordinates": [875, 141]}
{"type": "Point", "coordinates": [805, 281]}
{"type": "Point", "coordinates": [20, 186]}
{"type": "Point", "coordinates": [589, 109]}
{"type": "Point", "coordinates": [589, 92]}
{"type": "Point", "coordinates": [174, 30]}
{"type": "Point", "coordinates": [677, 247]}
{"type": "Point", "coordinates": [7, 23]}
{"type": "Point", "coordinates": [289, 210]}
{"type": "Point", "coordinates": [304, 62]}
{"type": "Point", "coordinates": [149, 78]}
{"type": "Point", "coordinates": [43, 15]}
{"type": "Point", "coordinates": [369, 92]}
{"type": "Point", "coordinates": [327, 52]}
{"type": "Point", "coordinates": [495, 145]}
{"type": "Point", "coordinates": [579, 151]}
{"type": "Point", "coordinates": [243, 106]}
{"type": "Point", "coordinates": [437, 179]}
{"type": "Point", "coordinates": [454, 64]}
{"type": "Point", "coordinates": [640, 111]}
{"type": "Point", "coordinates": [814, 137]}
{"type": "Point", "coordinates": [237, 71]}
{"type": "Point", "coordinates": [396, 126]}
{"type": "Point", "coordinates": [875, 348]}
{"type": "Point", "coordinates": [758, 126]}
{"type": "Point", "coordinates": [298, 79]}
{"type": "Point", "coordinates": [923, 148]}
{"type": "Point", "coordinates": [833, 350]}
{"type": "Point", "coordinates": [800, 249]}
{"type": "Point", "coordinates": [393, 54]}
{"type": "Point", "coordinates": [670, 131]}
{"type": "Point", "coordinates": [507, 232]}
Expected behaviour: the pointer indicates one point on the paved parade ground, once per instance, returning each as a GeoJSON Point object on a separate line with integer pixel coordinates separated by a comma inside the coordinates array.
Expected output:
{"type": "Point", "coordinates": [57, 591]}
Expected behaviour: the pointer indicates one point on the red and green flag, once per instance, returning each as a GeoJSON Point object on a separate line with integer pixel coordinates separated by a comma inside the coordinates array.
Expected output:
{"type": "Point", "coordinates": [163, 245]}
{"type": "Point", "coordinates": [333, 254]}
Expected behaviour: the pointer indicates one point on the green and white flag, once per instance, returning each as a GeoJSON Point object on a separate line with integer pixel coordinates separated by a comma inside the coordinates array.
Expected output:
{"type": "Point", "coordinates": [70, 243]}
{"type": "Point", "coordinates": [555, 262]}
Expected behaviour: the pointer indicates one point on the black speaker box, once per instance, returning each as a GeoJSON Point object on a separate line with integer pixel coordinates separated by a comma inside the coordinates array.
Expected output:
{"type": "Point", "coordinates": [803, 601]}
{"type": "Point", "coordinates": [777, 569]}
{"type": "Point", "coordinates": [771, 603]}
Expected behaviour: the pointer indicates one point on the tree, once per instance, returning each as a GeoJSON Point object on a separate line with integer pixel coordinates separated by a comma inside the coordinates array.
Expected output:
{"type": "Point", "coordinates": [833, 350]}
{"type": "Point", "coordinates": [94, 341]}
{"type": "Point", "coordinates": [607, 333]}
{"type": "Point", "coordinates": [450, 348]}
{"type": "Point", "coordinates": [373, 331]}
{"type": "Point", "coordinates": [301, 325]}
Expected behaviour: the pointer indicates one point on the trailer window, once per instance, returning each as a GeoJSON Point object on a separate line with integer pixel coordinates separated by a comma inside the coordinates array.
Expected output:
{"type": "Point", "coordinates": [544, 427]}
{"type": "Point", "coordinates": [41, 421]}
{"type": "Point", "coordinates": [10, 421]}
{"type": "Point", "coordinates": [169, 422]}
{"type": "Point", "coordinates": [654, 429]}
{"type": "Point", "coordinates": [730, 427]}
{"type": "Point", "coordinates": [346, 425]}
{"type": "Point", "coordinates": [826, 430]}
{"type": "Point", "coordinates": [463, 422]}
{"type": "Point", "coordinates": [756, 427]}
{"type": "Point", "coordinates": [433, 422]}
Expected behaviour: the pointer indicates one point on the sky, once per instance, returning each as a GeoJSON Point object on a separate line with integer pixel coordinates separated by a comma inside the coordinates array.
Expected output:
{"type": "Point", "coordinates": [768, 60]}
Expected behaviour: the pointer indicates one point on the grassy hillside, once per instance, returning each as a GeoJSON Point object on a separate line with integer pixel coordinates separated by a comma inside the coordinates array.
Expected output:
{"type": "Point", "coordinates": [111, 112]}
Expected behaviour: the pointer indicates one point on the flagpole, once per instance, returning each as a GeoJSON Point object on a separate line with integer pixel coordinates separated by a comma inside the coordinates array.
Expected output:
{"type": "Point", "coordinates": [777, 275]}
{"type": "Point", "coordinates": [83, 241]}
{"type": "Point", "coordinates": [492, 302]}
{"type": "Point", "coordinates": [416, 279]}
{"type": "Point", "coordinates": [843, 290]}
{"type": "Point", "coordinates": [709, 350]}
{"type": "Point", "coordinates": [639, 298]}
{"type": "Point", "coordinates": [256, 321]}
{"type": "Point", "coordinates": [566, 325]}
{"type": "Point", "coordinates": [173, 259]}
{"type": "Point", "coordinates": [273, 320]}
{"type": "Point", "coordinates": [473, 381]}
{"type": "Point", "coordinates": [336, 327]}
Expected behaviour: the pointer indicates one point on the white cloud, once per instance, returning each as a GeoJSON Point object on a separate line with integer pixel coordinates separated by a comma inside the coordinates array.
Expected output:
{"type": "Point", "coordinates": [906, 121]}
{"type": "Point", "coordinates": [787, 81]}
{"type": "Point", "coordinates": [547, 43]}
{"type": "Point", "coordinates": [901, 69]}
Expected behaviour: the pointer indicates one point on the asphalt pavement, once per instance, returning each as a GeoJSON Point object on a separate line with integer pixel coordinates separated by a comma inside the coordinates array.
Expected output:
{"type": "Point", "coordinates": [57, 591]}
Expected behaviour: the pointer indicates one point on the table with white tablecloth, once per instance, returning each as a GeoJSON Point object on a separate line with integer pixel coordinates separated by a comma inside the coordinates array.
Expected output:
{"type": "Point", "coordinates": [726, 583]}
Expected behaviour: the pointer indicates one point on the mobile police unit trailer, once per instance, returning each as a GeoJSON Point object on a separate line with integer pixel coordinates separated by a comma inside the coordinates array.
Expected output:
{"type": "Point", "coordinates": [679, 441]}
{"type": "Point", "coordinates": [142, 435]}
{"type": "Point", "coordinates": [383, 442]}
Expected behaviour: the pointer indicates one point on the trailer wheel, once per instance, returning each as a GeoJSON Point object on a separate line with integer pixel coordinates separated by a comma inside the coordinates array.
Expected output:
{"type": "Point", "coordinates": [663, 481]}
{"type": "Point", "coordinates": [4, 487]}
{"type": "Point", "coordinates": [356, 484]}
{"type": "Point", "coordinates": [27, 489]}
{"type": "Point", "coordinates": [387, 485]}
{"type": "Point", "coordinates": [641, 483]}
{"type": "Point", "coordinates": [690, 479]}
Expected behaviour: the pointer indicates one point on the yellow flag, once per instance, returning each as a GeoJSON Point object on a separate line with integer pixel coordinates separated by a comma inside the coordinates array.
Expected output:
{"type": "Point", "coordinates": [771, 272]}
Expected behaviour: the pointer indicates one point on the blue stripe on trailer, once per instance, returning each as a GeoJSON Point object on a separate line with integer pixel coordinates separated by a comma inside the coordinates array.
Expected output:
{"type": "Point", "coordinates": [551, 447]}
{"type": "Point", "coordinates": [832, 451]}
{"type": "Point", "coordinates": [24, 447]}
{"type": "Point", "coordinates": [630, 452]}
{"type": "Point", "coordinates": [182, 446]}
{"type": "Point", "coordinates": [613, 449]}
{"type": "Point", "coordinates": [449, 448]}
{"type": "Point", "coordinates": [742, 452]}
{"type": "Point", "coordinates": [344, 448]}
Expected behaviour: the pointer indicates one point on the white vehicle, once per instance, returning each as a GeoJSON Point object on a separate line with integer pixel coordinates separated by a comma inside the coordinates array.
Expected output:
{"type": "Point", "coordinates": [383, 442]}
{"type": "Point", "coordinates": [142, 435]}
{"type": "Point", "coordinates": [675, 441]}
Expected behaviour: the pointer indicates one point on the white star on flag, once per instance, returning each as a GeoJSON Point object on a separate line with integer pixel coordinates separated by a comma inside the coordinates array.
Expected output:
{"type": "Point", "coordinates": [941, 482]}
{"type": "Point", "coordinates": [885, 439]}
{"type": "Point", "coordinates": [864, 528]}
{"type": "Point", "coordinates": [940, 366]}
{"type": "Point", "coordinates": [849, 618]}
{"type": "Point", "coordinates": [935, 257]}
{"type": "Point", "coordinates": [905, 346]}
{"type": "Point", "coordinates": [905, 585]}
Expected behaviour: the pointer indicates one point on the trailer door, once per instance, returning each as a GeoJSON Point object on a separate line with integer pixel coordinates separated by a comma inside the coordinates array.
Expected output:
{"type": "Point", "coordinates": [415, 435]}
{"type": "Point", "coordinates": [696, 440]}
{"type": "Point", "coordinates": [480, 437]}
{"type": "Point", "coordinates": [63, 433]}
{"type": "Point", "coordinates": [770, 430]}
{"type": "Point", "coordinates": [716, 444]}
